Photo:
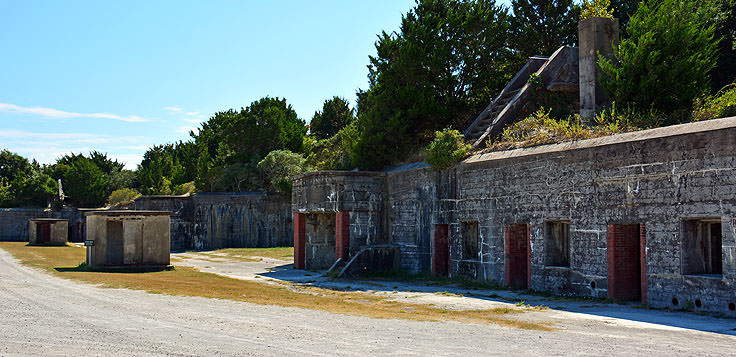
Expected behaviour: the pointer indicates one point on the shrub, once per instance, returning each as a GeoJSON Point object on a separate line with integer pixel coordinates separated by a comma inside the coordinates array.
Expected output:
{"type": "Point", "coordinates": [183, 189]}
{"type": "Point", "coordinates": [335, 153]}
{"type": "Point", "coordinates": [722, 104]}
{"type": "Point", "coordinates": [596, 8]}
{"type": "Point", "coordinates": [278, 166]}
{"type": "Point", "coordinates": [540, 128]}
{"type": "Point", "coordinates": [121, 196]}
{"type": "Point", "coordinates": [446, 149]}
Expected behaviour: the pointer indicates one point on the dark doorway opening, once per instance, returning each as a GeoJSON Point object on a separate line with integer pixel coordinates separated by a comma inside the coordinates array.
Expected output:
{"type": "Point", "coordinates": [114, 251]}
{"type": "Point", "coordinates": [626, 262]}
{"type": "Point", "coordinates": [43, 233]}
{"type": "Point", "coordinates": [441, 254]}
{"type": "Point", "coordinates": [517, 256]}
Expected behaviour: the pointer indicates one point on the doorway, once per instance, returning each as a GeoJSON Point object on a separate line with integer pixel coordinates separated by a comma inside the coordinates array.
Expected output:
{"type": "Point", "coordinates": [517, 256]}
{"type": "Point", "coordinates": [114, 241]}
{"type": "Point", "coordinates": [441, 253]}
{"type": "Point", "coordinates": [626, 262]}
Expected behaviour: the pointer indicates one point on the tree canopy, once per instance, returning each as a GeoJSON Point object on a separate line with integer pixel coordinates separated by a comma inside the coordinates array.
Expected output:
{"type": "Point", "coordinates": [335, 115]}
{"type": "Point", "coordinates": [540, 27]}
{"type": "Point", "coordinates": [439, 70]}
{"type": "Point", "coordinates": [663, 65]}
{"type": "Point", "coordinates": [231, 143]}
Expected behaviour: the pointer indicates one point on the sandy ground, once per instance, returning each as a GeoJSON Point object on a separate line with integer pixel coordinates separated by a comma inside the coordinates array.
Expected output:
{"type": "Point", "coordinates": [44, 315]}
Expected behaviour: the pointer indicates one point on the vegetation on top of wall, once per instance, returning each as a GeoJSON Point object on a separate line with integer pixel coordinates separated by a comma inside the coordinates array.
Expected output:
{"type": "Point", "coordinates": [447, 148]}
{"type": "Point", "coordinates": [720, 105]}
{"type": "Point", "coordinates": [334, 153]}
{"type": "Point", "coordinates": [540, 128]}
{"type": "Point", "coordinates": [122, 196]}
{"type": "Point", "coordinates": [596, 8]}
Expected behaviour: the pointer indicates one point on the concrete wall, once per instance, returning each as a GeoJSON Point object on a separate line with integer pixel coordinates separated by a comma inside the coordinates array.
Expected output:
{"type": "Point", "coordinates": [14, 223]}
{"type": "Point", "coordinates": [656, 178]}
{"type": "Point", "coordinates": [321, 195]}
{"type": "Point", "coordinates": [142, 239]}
{"type": "Point", "coordinates": [224, 220]}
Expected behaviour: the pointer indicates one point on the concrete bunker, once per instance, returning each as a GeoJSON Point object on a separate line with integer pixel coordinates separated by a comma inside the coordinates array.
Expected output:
{"type": "Point", "coordinates": [128, 239]}
{"type": "Point", "coordinates": [48, 231]}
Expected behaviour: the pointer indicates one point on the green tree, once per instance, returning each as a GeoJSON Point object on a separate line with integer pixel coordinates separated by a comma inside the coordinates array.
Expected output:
{"type": "Point", "coordinates": [540, 27]}
{"type": "Point", "coordinates": [335, 153]}
{"type": "Point", "coordinates": [663, 65]}
{"type": "Point", "coordinates": [85, 183]}
{"type": "Point", "coordinates": [724, 72]}
{"type": "Point", "coordinates": [231, 143]}
{"type": "Point", "coordinates": [449, 58]}
{"type": "Point", "coordinates": [335, 115]}
{"type": "Point", "coordinates": [278, 166]}
{"type": "Point", "coordinates": [24, 183]}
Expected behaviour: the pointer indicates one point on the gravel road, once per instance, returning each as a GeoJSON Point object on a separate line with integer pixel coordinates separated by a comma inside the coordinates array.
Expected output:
{"type": "Point", "coordinates": [44, 315]}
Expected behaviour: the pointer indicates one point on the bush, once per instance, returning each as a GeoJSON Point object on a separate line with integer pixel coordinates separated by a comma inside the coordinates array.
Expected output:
{"type": "Point", "coordinates": [446, 149]}
{"type": "Point", "coordinates": [720, 105]}
{"type": "Point", "coordinates": [278, 166]}
{"type": "Point", "coordinates": [539, 129]}
{"type": "Point", "coordinates": [183, 189]}
{"type": "Point", "coordinates": [121, 196]}
{"type": "Point", "coordinates": [335, 153]}
{"type": "Point", "coordinates": [664, 64]}
{"type": "Point", "coordinates": [596, 8]}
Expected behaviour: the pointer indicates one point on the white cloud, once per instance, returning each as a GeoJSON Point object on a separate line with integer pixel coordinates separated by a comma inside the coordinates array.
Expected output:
{"type": "Point", "coordinates": [189, 114]}
{"type": "Point", "coordinates": [174, 109]}
{"type": "Point", "coordinates": [60, 114]}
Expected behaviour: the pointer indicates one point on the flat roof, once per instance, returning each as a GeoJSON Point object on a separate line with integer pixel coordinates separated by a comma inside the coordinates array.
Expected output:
{"type": "Point", "coordinates": [634, 136]}
{"type": "Point", "coordinates": [128, 213]}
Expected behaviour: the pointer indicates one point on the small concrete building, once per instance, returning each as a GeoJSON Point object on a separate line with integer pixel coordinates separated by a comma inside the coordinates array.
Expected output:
{"type": "Point", "coordinates": [47, 231]}
{"type": "Point", "coordinates": [124, 238]}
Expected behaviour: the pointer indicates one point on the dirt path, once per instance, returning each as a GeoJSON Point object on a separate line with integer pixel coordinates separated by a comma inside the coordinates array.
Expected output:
{"type": "Point", "coordinates": [44, 315]}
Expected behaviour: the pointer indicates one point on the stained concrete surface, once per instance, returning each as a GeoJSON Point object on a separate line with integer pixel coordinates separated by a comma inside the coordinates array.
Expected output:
{"type": "Point", "coordinates": [44, 315]}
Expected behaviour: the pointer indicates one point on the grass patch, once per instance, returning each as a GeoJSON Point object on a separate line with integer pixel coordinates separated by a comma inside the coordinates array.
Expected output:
{"type": "Point", "coordinates": [64, 262]}
{"type": "Point", "coordinates": [540, 128]}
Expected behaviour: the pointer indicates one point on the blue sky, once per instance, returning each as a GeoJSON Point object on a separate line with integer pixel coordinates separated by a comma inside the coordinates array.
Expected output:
{"type": "Point", "coordinates": [121, 76]}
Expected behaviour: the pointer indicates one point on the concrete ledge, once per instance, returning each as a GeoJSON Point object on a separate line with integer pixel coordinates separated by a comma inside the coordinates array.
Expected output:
{"type": "Point", "coordinates": [636, 136]}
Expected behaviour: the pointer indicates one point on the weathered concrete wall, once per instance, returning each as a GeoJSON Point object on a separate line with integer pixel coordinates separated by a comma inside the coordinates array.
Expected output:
{"type": "Point", "coordinates": [241, 220]}
{"type": "Point", "coordinates": [128, 238]}
{"type": "Point", "coordinates": [656, 178]}
{"type": "Point", "coordinates": [330, 192]}
{"type": "Point", "coordinates": [596, 35]}
{"type": "Point", "coordinates": [224, 220]}
{"type": "Point", "coordinates": [14, 223]}
{"type": "Point", "coordinates": [182, 215]}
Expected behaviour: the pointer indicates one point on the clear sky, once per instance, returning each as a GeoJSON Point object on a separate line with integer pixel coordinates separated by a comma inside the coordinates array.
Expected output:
{"type": "Point", "coordinates": [121, 76]}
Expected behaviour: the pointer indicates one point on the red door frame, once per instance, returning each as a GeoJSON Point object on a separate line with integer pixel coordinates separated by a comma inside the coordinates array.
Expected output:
{"type": "Point", "coordinates": [611, 239]}
{"type": "Point", "coordinates": [509, 259]}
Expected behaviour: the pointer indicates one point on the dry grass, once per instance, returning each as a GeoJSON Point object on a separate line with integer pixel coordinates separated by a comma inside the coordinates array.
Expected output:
{"type": "Point", "coordinates": [62, 261]}
{"type": "Point", "coordinates": [242, 254]}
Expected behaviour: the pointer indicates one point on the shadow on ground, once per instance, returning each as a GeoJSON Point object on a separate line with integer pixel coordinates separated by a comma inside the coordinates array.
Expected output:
{"type": "Point", "coordinates": [594, 307]}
